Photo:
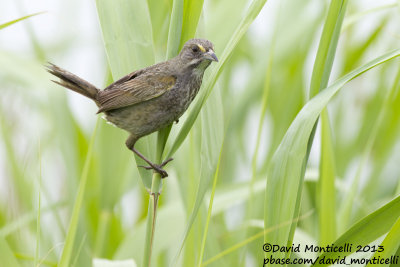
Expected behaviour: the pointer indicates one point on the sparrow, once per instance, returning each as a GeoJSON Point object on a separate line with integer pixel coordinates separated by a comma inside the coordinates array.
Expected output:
{"type": "Point", "coordinates": [149, 99]}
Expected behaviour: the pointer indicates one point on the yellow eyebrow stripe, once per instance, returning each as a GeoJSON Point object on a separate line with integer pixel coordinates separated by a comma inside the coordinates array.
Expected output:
{"type": "Point", "coordinates": [201, 48]}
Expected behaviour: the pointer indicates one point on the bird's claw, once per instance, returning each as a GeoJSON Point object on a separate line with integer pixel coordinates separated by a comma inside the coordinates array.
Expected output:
{"type": "Point", "coordinates": [158, 168]}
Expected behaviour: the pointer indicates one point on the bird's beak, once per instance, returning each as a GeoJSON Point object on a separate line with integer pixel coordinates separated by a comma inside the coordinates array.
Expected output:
{"type": "Point", "coordinates": [210, 55]}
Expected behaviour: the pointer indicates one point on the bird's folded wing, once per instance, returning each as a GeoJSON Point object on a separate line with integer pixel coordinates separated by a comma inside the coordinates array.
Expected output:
{"type": "Point", "coordinates": [127, 92]}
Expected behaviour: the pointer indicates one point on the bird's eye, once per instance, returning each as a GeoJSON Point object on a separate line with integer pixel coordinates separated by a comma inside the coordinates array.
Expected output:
{"type": "Point", "coordinates": [195, 49]}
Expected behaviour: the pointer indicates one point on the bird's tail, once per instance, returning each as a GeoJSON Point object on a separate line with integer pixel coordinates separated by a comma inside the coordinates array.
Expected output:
{"type": "Point", "coordinates": [73, 82]}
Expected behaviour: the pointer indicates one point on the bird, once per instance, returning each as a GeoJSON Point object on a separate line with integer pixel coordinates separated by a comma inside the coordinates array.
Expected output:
{"type": "Point", "coordinates": [149, 99]}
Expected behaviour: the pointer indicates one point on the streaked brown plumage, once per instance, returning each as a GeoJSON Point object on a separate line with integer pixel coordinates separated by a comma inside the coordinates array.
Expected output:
{"type": "Point", "coordinates": [149, 99]}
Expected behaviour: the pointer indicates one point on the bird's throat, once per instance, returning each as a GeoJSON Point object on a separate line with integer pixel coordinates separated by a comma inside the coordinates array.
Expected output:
{"type": "Point", "coordinates": [198, 70]}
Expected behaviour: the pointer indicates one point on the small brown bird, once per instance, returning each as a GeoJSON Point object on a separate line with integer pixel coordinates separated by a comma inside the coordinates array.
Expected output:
{"type": "Point", "coordinates": [149, 99]}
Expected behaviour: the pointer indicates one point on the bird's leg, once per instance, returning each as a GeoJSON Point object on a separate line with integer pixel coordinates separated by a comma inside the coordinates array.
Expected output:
{"type": "Point", "coordinates": [130, 143]}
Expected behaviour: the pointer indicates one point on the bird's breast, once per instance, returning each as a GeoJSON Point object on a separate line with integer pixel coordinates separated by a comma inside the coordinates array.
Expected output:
{"type": "Point", "coordinates": [184, 92]}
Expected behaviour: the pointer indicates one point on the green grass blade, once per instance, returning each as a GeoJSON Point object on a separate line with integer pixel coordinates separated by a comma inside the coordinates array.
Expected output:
{"type": "Point", "coordinates": [370, 228]}
{"type": "Point", "coordinates": [128, 39]}
{"type": "Point", "coordinates": [22, 188]}
{"type": "Point", "coordinates": [319, 80]}
{"type": "Point", "coordinates": [210, 127]}
{"type": "Point", "coordinates": [111, 172]}
{"type": "Point", "coordinates": [151, 218]}
{"type": "Point", "coordinates": [175, 29]}
{"type": "Point", "coordinates": [6, 255]}
{"type": "Point", "coordinates": [250, 239]}
{"type": "Point", "coordinates": [26, 219]}
{"type": "Point", "coordinates": [65, 260]}
{"type": "Point", "coordinates": [326, 185]}
{"type": "Point", "coordinates": [250, 16]}
{"type": "Point", "coordinates": [4, 25]}
{"type": "Point", "coordinates": [234, 194]}
{"type": "Point", "coordinates": [79, 250]}
{"type": "Point", "coordinates": [355, 55]}
{"type": "Point", "coordinates": [284, 175]}
{"type": "Point", "coordinates": [265, 97]}
{"type": "Point", "coordinates": [354, 18]}
{"type": "Point", "coordinates": [391, 243]}
{"type": "Point", "coordinates": [210, 206]}
{"type": "Point", "coordinates": [385, 114]}
{"type": "Point", "coordinates": [191, 16]}
{"type": "Point", "coordinates": [320, 77]}
{"type": "Point", "coordinates": [127, 35]}
{"type": "Point", "coordinates": [327, 46]}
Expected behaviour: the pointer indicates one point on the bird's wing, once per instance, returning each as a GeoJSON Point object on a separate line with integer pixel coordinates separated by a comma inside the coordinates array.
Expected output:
{"type": "Point", "coordinates": [134, 88]}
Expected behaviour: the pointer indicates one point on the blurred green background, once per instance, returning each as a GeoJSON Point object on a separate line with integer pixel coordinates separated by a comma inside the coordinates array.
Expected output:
{"type": "Point", "coordinates": [262, 82]}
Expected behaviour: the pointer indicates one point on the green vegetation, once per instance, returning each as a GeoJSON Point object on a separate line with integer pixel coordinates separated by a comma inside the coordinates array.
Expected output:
{"type": "Point", "coordinates": [293, 139]}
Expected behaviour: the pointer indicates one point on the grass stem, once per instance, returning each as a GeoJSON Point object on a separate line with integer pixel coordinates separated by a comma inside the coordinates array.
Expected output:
{"type": "Point", "coordinates": [151, 219]}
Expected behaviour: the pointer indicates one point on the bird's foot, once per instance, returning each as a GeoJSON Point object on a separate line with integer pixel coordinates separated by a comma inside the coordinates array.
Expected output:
{"type": "Point", "coordinates": [158, 168]}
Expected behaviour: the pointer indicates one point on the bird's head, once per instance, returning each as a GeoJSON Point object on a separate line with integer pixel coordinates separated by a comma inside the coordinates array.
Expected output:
{"type": "Point", "coordinates": [198, 54]}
